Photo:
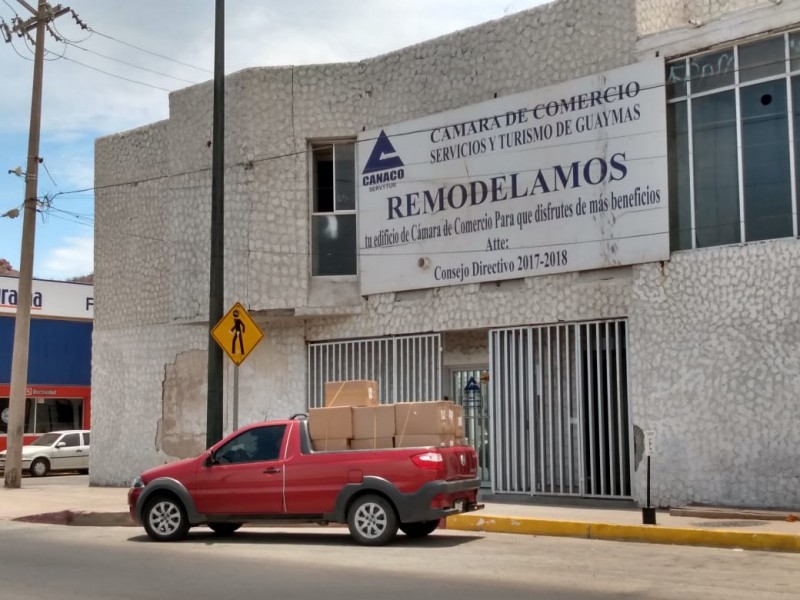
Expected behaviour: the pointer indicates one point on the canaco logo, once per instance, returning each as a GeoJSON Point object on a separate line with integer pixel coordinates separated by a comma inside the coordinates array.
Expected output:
{"type": "Point", "coordinates": [384, 165]}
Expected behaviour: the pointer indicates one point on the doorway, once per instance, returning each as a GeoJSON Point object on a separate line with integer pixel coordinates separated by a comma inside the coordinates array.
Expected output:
{"type": "Point", "coordinates": [469, 387]}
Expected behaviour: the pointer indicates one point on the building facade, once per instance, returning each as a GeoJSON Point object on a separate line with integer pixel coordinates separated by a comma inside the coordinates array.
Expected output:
{"type": "Point", "coordinates": [580, 221]}
{"type": "Point", "coordinates": [58, 391]}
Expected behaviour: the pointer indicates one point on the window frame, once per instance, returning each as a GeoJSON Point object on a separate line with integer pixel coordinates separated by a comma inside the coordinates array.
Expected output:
{"type": "Point", "coordinates": [314, 145]}
{"type": "Point", "coordinates": [786, 75]}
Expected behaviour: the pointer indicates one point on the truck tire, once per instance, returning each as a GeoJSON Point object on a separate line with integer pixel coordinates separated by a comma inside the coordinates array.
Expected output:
{"type": "Point", "coordinates": [372, 520]}
{"type": "Point", "coordinates": [224, 529]}
{"type": "Point", "coordinates": [420, 528]}
{"type": "Point", "coordinates": [165, 519]}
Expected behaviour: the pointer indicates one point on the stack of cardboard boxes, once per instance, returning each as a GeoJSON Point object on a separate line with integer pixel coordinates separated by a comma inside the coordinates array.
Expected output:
{"type": "Point", "coordinates": [354, 419]}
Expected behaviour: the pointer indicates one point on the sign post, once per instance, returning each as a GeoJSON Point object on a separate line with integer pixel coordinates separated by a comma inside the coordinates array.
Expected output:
{"type": "Point", "coordinates": [649, 512]}
{"type": "Point", "coordinates": [237, 334]}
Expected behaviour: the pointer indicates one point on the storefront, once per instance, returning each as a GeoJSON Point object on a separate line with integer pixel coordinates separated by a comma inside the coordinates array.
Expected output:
{"type": "Point", "coordinates": [58, 391]}
{"type": "Point", "coordinates": [579, 223]}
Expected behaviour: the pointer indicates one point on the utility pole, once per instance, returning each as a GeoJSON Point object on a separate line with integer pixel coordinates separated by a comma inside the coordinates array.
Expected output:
{"type": "Point", "coordinates": [22, 321]}
{"type": "Point", "coordinates": [216, 296]}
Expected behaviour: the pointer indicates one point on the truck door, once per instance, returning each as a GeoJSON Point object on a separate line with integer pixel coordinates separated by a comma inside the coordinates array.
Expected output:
{"type": "Point", "coordinates": [247, 477]}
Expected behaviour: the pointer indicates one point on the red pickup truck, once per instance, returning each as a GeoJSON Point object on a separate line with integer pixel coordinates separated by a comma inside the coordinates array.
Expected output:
{"type": "Point", "coordinates": [268, 473]}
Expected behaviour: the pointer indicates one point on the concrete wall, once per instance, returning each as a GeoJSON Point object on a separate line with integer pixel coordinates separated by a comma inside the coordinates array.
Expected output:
{"type": "Point", "coordinates": [713, 333]}
{"type": "Point", "coordinates": [714, 369]}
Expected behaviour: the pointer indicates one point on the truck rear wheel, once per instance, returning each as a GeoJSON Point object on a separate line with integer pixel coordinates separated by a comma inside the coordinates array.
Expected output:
{"type": "Point", "coordinates": [372, 520]}
{"type": "Point", "coordinates": [420, 528]}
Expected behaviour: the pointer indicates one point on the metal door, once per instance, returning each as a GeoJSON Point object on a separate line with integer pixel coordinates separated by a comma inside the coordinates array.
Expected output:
{"type": "Point", "coordinates": [559, 411]}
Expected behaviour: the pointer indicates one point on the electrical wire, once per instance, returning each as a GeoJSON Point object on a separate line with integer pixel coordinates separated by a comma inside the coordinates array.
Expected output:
{"type": "Point", "coordinates": [148, 51]}
{"type": "Point", "coordinates": [157, 87]}
{"type": "Point", "coordinates": [130, 64]}
{"type": "Point", "coordinates": [48, 173]}
{"type": "Point", "coordinates": [79, 23]}
{"type": "Point", "coordinates": [22, 56]}
{"type": "Point", "coordinates": [12, 8]}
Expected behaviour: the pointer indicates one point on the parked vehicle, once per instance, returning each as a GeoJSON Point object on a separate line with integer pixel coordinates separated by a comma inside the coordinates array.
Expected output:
{"type": "Point", "coordinates": [268, 472]}
{"type": "Point", "coordinates": [55, 451]}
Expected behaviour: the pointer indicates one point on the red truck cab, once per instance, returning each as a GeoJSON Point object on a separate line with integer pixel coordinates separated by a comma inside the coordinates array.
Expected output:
{"type": "Point", "coordinates": [268, 473]}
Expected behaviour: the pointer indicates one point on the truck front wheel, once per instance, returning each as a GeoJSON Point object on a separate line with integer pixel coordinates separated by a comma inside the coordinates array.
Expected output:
{"type": "Point", "coordinates": [165, 519]}
{"type": "Point", "coordinates": [372, 520]}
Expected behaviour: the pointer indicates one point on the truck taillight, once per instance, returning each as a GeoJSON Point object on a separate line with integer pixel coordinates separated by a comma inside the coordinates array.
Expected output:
{"type": "Point", "coordinates": [428, 460]}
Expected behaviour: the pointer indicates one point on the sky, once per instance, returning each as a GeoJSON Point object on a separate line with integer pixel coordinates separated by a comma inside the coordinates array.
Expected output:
{"type": "Point", "coordinates": [117, 75]}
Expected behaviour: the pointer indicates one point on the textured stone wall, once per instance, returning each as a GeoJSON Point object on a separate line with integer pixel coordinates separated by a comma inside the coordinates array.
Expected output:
{"type": "Point", "coordinates": [714, 370]}
{"type": "Point", "coordinates": [655, 16]}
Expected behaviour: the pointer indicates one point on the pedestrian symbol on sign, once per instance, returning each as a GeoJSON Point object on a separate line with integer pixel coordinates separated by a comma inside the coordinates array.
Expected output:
{"type": "Point", "coordinates": [238, 330]}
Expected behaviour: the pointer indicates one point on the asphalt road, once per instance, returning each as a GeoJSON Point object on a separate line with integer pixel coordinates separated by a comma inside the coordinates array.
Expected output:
{"type": "Point", "coordinates": [45, 562]}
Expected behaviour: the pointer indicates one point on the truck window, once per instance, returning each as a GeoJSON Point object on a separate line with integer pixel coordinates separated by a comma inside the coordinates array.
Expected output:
{"type": "Point", "coordinates": [260, 444]}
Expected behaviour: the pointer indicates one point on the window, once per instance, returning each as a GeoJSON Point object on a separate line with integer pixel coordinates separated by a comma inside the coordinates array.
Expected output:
{"type": "Point", "coordinates": [43, 415]}
{"type": "Point", "coordinates": [263, 443]}
{"type": "Point", "coordinates": [734, 127]}
{"type": "Point", "coordinates": [54, 414]}
{"type": "Point", "coordinates": [71, 440]}
{"type": "Point", "coordinates": [333, 213]}
{"type": "Point", "coordinates": [86, 435]}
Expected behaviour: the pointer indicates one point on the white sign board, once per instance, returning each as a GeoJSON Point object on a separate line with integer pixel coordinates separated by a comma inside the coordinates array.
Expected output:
{"type": "Point", "coordinates": [649, 442]}
{"type": "Point", "coordinates": [50, 298]}
{"type": "Point", "coordinates": [564, 178]}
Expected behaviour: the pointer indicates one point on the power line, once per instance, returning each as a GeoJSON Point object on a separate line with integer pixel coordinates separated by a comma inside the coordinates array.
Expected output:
{"type": "Point", "coordinates": [130, 64]}
{"type": "Point", "coordinates": [48, 173]}
{"type": "Point", "coordinates": [12, 8]}
{"type": "Point", "coordinates": [148, 51]}
{"type": "Point", "coordinates": [72, 60]}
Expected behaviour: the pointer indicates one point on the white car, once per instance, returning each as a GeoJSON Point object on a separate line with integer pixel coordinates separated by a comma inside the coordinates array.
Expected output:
{"type": "Point", "coordinates": [55, 451]}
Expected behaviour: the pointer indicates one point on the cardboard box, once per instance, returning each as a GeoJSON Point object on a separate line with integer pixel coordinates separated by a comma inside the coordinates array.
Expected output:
{"type": "Point", "coordinates": [372, 443]}
{"type": "Point", "coordinates": [330, 444]}
{"type": "Point", "coordinates": [373, 421]}
{"type": "Point", "coordinates": [412, 441]}
{"type": "Point", "coordinates": [356, 392]}
{"type": "Point", "coordinates": [458, 412]}
{"type": "Point", "coordinates": [418, 418]}
{"type": "Point", "coordinates": [330, 423]}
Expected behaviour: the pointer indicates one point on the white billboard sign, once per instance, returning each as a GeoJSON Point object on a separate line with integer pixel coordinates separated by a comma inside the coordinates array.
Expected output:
{"type": "Point", "coordinates": [565, 178]}
{"type": "Point", "coordinates": [50, 298]}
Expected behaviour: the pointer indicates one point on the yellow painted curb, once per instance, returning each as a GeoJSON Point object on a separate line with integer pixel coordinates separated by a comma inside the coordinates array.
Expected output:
{"type": "Point", "coordinates": [468, 522]}
{"type": "Point", "coordinates": [653, 534]}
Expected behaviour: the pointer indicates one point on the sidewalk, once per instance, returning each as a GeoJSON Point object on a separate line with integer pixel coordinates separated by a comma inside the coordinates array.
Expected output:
{"type": "Point", "coordinates": [68, 500]}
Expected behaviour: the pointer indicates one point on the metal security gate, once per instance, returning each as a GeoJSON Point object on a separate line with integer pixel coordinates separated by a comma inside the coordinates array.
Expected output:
{"type": "Point", "coordinates": [559, 410]}
{"type": "Point", "coordinates": [407, 369]}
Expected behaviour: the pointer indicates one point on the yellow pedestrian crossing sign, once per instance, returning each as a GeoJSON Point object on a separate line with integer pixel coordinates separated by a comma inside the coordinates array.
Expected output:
{"type": "Point", "coordinates": [237, 334]}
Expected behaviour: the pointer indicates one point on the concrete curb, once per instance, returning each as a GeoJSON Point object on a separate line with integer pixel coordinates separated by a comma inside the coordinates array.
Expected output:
{"type": "Point", "coordinates": [81, 518]}
{"type": "Point", "coordinates": [653, 534]}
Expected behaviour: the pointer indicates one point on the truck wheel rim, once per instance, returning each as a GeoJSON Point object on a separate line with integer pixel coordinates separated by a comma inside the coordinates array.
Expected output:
{"type": "Point", "coordinates": [370, 520]}
{"type": "Point", "coordinates": [165, 518]}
